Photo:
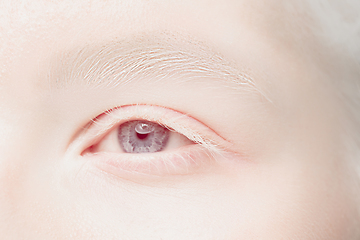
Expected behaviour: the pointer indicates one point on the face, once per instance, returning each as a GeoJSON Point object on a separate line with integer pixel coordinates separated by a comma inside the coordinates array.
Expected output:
{"type": "Point", "coordinates": [169, 120]}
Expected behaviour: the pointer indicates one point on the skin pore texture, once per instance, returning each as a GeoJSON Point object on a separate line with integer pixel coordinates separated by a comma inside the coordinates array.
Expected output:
{"type": "Point", "coordinates": [245, 86]}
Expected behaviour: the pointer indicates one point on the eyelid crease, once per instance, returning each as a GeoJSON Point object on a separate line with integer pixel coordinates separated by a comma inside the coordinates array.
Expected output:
{"type": "Point", "coordinates": [173, 120]}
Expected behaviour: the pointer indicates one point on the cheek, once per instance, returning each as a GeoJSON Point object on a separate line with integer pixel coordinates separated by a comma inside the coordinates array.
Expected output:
{"type": "Point", "coordinates": [299, 201]}
{"type": "Point", "coordinates": [255, 201]}
{"type": "Point", "coordinates": [268, 201]}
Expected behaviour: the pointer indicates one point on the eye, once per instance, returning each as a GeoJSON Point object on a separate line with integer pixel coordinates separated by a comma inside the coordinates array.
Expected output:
{"type": "Point", "coordinates": [151, 140]}
{"type": "Point", "coordinates": [141, 136]}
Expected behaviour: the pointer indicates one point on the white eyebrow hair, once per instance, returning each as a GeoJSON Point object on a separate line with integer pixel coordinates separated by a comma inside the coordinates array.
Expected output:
{"type": "Point", "coordinates": [145, 58]}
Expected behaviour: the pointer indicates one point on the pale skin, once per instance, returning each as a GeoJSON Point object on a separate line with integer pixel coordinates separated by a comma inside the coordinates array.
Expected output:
{"type": "Point", "coordinates": [245, 75]}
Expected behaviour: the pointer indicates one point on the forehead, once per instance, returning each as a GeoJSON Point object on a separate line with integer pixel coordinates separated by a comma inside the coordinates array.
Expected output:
{"type": "Point", "coordinates": [48, 26]}
{"type": "Point", "coordinates": [33, 17]}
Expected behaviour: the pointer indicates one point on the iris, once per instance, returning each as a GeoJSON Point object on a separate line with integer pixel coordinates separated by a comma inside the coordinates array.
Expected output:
{"type": "Point", "coordinates": [142, 136]}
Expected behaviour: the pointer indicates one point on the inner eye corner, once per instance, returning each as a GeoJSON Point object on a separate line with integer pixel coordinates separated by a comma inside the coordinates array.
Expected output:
{"type": "Point", "coordinates": [88, 150]}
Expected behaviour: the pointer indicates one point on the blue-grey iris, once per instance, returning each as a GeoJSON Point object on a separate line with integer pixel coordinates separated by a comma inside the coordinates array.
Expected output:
{"type": "Point", "coordinates": [142, 136]}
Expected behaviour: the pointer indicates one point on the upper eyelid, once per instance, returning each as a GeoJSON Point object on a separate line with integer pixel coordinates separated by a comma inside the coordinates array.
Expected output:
{"type": "Point", "coordinates": [181, 123]}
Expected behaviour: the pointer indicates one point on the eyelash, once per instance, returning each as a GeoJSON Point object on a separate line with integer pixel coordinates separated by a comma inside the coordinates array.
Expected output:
{"type": "Point", "coordinates": [207, 146]}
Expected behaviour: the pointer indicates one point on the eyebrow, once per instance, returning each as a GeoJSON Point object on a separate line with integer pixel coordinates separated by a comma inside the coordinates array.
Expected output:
{"type": "Point", "coordinates": [147, 58]}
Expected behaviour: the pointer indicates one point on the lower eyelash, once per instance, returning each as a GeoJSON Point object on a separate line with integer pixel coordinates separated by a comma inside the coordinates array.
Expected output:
{"type": "Point", "coordinates": [187, 160]}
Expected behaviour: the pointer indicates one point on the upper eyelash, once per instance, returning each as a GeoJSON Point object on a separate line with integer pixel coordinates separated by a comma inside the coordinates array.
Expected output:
{"type": "Point", "coordinates": [110, 119]}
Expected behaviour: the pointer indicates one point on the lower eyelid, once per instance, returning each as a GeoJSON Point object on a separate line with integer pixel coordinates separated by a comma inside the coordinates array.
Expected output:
{"type": "Point", "coordinates": [187, 160]}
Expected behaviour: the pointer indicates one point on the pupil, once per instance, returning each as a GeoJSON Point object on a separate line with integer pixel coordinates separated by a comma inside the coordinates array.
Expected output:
{"type": "Point", "coordinates": [141, 136]}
